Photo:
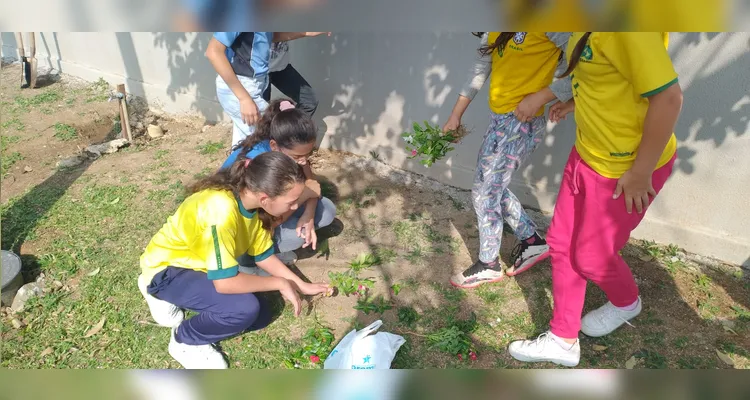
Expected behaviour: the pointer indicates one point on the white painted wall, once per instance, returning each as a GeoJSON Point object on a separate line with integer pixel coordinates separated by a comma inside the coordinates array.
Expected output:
{"type": "Point", "coordinates": [372, 86]}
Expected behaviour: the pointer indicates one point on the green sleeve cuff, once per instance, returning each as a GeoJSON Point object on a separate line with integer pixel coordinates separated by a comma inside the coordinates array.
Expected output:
{"type": "Point", "coordinates": [660, 89]}
{"type": "Point", "coordinates": [262, 256]}
{"type": "Point", "coordinates": [224, 273]}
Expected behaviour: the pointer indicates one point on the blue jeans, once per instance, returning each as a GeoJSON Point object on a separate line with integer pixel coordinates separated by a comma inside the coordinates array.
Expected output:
{"type": "Point", "coordinates": [231, 104]}
{"type": "Point", "coordinates": [220, 316]}
{"type": "Point", "coordinates": [285, 237]}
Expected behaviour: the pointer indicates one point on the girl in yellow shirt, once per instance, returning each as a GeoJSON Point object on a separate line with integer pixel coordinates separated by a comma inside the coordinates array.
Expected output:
{"type": "Point", "coordinates": [521, 67]}
{"type": "Point", "coordinates": [626, 101]}
{"type": "Point", "coordinates": [191, 263]}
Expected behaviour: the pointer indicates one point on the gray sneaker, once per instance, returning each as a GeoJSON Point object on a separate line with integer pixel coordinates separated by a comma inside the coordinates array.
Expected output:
{"type": "Point", "coordinates": [476, 275]}
{"type": "Point", "coordinates": [287, 257]}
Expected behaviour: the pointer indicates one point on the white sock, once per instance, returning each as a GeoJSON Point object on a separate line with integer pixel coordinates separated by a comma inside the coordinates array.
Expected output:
{"type": "Point", "coordinates": [560, 342]}
{"type": "Point", "coordinates": [632, 306]}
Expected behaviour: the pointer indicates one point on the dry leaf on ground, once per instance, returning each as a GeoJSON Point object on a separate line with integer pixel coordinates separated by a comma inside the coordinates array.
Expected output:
{"type": "Point", "coordinates": [725, 358]}
{"type": "Point", "coordinates": [96, 328]}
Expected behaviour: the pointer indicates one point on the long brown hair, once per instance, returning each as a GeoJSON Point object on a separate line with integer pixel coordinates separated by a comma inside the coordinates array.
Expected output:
{"type": "Point", "coordinates": [575, 55]}
{"type": "Point", "coordinates": [272, 173]}
{"type": "Point", "coordinates": [288, 128]}
{"type": "Point", "coordinates": [498, 45]}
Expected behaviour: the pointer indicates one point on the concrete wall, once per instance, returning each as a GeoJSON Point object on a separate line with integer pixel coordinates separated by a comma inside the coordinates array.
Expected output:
{"type": "Point", "coordinates": [373, 86]}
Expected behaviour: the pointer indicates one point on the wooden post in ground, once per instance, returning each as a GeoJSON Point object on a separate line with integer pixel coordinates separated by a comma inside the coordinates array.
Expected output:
{"type": "Point", "coordinates": [124, 118]}
{"type": "Point", "coordinates": [32, 60]}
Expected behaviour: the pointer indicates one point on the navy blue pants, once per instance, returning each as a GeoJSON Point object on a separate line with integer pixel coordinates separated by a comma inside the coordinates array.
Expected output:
{"type": "Point", "coordinates": [220, 316]}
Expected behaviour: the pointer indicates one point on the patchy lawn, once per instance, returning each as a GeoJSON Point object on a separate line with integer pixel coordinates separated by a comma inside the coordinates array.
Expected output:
{"type": "Point", "coordinates": [84, 229]}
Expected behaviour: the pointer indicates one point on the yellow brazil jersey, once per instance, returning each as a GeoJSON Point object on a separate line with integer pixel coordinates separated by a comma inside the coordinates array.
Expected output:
{"type": "Point", "coordinates": [207, 233]}
{"type": "Point", "coordinates": [616, 74]}
{"type": "Point", "coordinates": [526, 65]}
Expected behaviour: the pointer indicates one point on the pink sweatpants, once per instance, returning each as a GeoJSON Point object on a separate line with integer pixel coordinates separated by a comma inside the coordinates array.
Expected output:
{"type": "Point", "coordinates": [588, 230]}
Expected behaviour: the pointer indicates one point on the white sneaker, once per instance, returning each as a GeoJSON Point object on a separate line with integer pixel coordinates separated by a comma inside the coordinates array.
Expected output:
{"type": "Point", "coordinates": [545, 348]}
{"type": "Point", "coordinates": [605, 319]}
{"type": "Point", "coordinates": [203, 356]}
{"type": "Point", "coordinates": [165, 314]}
{"type": "Point", "coordinates": [287, 257]}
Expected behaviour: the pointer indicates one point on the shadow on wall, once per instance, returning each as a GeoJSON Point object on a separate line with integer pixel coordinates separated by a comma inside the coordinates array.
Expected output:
{"type": "Point", "coordinates": [725, 115]}
{"type": "Point", "coordinates": [372, 87]}
{"type": "Point", "coordinates": [190, 70]}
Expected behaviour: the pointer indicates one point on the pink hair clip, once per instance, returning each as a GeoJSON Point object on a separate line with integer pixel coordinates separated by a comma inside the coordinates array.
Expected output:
{"type": "Point", "coordinates": [247, 162]}
{"type": "Point", "coordinates": [285, 105]}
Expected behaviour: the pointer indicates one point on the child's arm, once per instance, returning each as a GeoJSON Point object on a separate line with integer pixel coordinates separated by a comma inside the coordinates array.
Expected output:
{"type": "Point", "coordinates": [216, 54]}
{"type": "Point", "coordinates": [275, 267]}
{"type": "Point", "coordinates": [559, 89]}
{"type": "Point", "coordinates": [477, 77]}
{"type": "Point", "coordinates": [287, 36]}
{"type": "Point", "coordinates": [307, 220]}
{"type": "Point", "coordinates": [246, 283]}
{"type": "Point", "coordinates": [661, 118]}
{"type": "Point", "coordinates": [658, 126]}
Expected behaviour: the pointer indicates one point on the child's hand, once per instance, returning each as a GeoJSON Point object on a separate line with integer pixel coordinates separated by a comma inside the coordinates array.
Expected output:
{"type": "Point", "coordinates": [311, 289]}
{"type": "Point", "coordinates": [528, 107]}
{"type": "Point", "coordinates": [451, 125]}
{"type": "Point", "coordinates": [306, 230]}
{"type": "Point", "coordinates": [560, 110]}
{"type": "Point", "coordinates": [637, 189]}
{"type": "Point", "coordinates": [289, 292]}
{"type": "Point", "coordinates": [249, 111]}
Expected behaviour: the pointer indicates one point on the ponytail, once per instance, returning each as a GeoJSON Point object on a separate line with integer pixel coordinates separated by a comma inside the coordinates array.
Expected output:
{"type": "Point", "coordinates": [575, 56]}
{"type": "Point", "coordinates": [287, 125]}
{"type": "Point", "coordinates": [499, 44]}
{"type": "Point", "coordinates": [272, 173]}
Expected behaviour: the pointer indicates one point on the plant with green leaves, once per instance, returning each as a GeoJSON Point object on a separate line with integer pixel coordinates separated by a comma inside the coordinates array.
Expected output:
{"type": "Point", "coordinates": [454, 339]}
{"type": "Point", "coordinates": [348, 282]}
{"type": "Point", "coordinates": [317, 344]}
{"type": "Point", "coordinates": [408, 316]}
{"type": "Point", "coordinates": [377, 305]}
{"type": "Point", "coordinates": [430, 142]}
{"type": "Point", "coordinates": [363, 262]}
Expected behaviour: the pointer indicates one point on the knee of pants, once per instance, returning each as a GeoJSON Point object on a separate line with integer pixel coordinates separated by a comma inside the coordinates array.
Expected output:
{"type": "Point", "coordinates": [243, 311]}
{"type": "Point", "coordinates": [327, 212]}
{"type": "Point", "coordinates": [309, 105]}
{"type": "Point", "coordinates": [588, 258]}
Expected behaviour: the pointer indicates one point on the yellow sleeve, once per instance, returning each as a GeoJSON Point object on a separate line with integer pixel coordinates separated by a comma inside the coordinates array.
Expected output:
{"type": "Point", "coordinates": [217, 246]}
{"type": "Point", "coordinates": [262, 244]}
{"type": "Point", "coordinates": [642, 58]}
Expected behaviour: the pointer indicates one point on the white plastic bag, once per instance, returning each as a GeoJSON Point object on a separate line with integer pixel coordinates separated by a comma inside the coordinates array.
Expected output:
{"type": "Point", "coordinates": [361, 350]}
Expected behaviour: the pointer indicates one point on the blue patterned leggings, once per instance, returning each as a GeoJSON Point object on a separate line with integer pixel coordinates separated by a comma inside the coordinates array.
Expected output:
{"type": "Point", "coordinates": [507, 144]}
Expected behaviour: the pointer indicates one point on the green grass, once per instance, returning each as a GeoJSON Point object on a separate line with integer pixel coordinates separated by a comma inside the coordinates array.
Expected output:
{"type": "Point", "coordinates": [210, 148]}
{"type": "Point", "coordinates": [13, 123]}
{"type": "Point", "coordinates": [8, 158]}
{"type": "Point", "coordinates": [65, 132]}
{"type": "Point", "coordinates": [97, 92]}
{"type": "Point", "coordinates": [492, 295]}
{"type": "Point", "coordinates": [681, 342]}
{"type": "Point", "coordinates": [205, 172]}
{"type": "Point", "coordinates": [47, 97]}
